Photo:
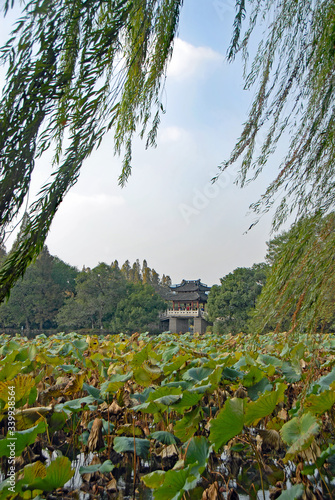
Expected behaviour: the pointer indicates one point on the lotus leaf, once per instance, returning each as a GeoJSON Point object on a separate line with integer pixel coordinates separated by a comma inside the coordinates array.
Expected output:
{"type": "Point", "coordinates": [264, 405]}
{"type": "Point", "coordinates": [126, 444]}
{"type": "Point", "coordinates": [227, 423]}
{"type": "Point", "coordinates": [299, 433]}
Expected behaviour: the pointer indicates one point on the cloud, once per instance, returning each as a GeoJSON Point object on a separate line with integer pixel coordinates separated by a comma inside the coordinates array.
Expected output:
{"type": "Point", "coordinates": [189, 61]}
{"type": "Point", "coordinates": [172, 134]}
{"type": "Point", "coordinates": [97, 202]}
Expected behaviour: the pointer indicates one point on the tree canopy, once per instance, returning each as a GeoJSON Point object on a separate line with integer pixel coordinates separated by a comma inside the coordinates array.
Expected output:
{"type": "Point", "coordinates": [229, 304]}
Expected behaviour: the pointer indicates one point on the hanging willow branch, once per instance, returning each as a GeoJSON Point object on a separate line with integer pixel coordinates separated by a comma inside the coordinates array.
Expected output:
{"type": "Point", "coordinates": [75, 69]}
{"type": "Point", "coordinates": [294, 74]}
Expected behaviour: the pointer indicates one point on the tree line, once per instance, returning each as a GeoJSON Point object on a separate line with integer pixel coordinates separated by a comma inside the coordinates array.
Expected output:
{"type": "Point", "coordinates": [113, 298]}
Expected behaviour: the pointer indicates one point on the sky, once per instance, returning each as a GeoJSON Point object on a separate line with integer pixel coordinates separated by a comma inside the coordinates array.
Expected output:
{"type": "Point", "coordinates": [170, 213]}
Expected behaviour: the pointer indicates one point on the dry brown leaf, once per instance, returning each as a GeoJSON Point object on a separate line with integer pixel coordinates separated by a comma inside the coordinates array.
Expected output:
{"type": "Point", "coordinates": [212, 493]}
{"type": "Point", "coordinates": [114, 408]}
{"type": "Point", "coordinates": [95, 440]}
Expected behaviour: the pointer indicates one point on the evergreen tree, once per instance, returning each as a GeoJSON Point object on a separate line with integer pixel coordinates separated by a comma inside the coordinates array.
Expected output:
{"type": "Point", "coordinates": [139, 311]}
{"type": "Point", "coordinates": [230, 304]}
{"type": "Point", "coordinates": [35, 300]}
{"type": "Point", "coordinates": [98, 292]}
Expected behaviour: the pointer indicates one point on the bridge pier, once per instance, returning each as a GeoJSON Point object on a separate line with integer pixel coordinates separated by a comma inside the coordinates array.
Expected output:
{"type": "Point", "coordinates": [178, 325]}
{"type": "Point", "coordinates": [200, 325]}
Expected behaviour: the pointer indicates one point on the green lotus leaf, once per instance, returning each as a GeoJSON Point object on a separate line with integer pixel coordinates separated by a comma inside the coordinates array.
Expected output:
{"type": "Point", "coordinates": [256, 390]}
{"type": "Point", "coordinates": [293, 493]}
{"type": "Point", "coordinates": [264, 406]}
{"type": "Point", "coordinates": [154, 479]}
{"type": "Point", "coordinates": [58, 473]}
{"type": "Point", "coordinates": [164, 391]}
{"type": "Point", "coordinates": [187, 426]}
{"type": "Point", "coordinates": [188, 400]}
{"type": "Point", "coordinates": [176, 364]}
{"type": "Point", "coordinates": [20, 439]}
{"type": "Point", "coordinates": [126, 444]}
{"type": "Point", "coordinates": [197, 374]}
{"type": "Point", "coordinates": [170, 352]}
{"type": "Point", "coordinates": [10, 369]}
{"type": "Point", "coordinates": [299, 433]}
{"type": "Point", "coordinates": [164, 437]}
{"type": "Point", "coordinates": [291, 372]}
{"type": "Point", "coordinates": [144, 377]}
{"type": "Point", "coordinates": [76, 405]}
{"type": "Point", "coordinates": [114, 383]}
{"type": "Point", "coordinates": [231, 374]}
{"type": "Point", "coordinates": [269, 360]}
{"type": "Point", "coordinates": [252, 377]}
{"type": "Point", "coordinates": [228, 422]}
{"type": "Point", "coordinates": [176, 482]}
{"type": "Point", "coordinates": [104, 468]}
{"type": "Point", "coordinates": [317, 404]}
{"type": "Point", "coordinates": [198, 451]}
{"type": "Point", "coordinates": [324, 382]}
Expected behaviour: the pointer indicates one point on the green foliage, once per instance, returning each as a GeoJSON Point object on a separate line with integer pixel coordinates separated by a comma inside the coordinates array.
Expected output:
{"type": "Point", "coordinates": [140, 308]}
{"type": "Point", "coordinates": [73, 73]}
{"type": "Point", "coordinates": [293, 72]}
{"type": "Point", "coordinates": [97, 293]}
{"type": "Point", "coordinates": [197, 405]}
{"type": "Point", "coordinates": [229, 304]}
{"type": "Point", "coordinates": [135, 445]}
{"type": "Point", "coordinates": [299, 433]}
{"type": "Point", "coordinates": [293, 110]}
{"type": "Point", "coordinates": [299, 292]}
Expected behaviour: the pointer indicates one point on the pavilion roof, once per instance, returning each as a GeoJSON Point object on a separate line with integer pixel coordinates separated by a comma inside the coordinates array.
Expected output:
{"type": "Point", "coordinates": [190, 286]}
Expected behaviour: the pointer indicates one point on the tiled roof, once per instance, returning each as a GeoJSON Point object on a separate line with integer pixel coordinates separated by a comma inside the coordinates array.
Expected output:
{"type": "Point", "coordinates": [190, 286]}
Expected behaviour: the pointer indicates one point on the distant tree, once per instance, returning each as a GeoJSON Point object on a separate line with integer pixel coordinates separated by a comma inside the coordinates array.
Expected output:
{"type": "Point", "coordinates": [135, 275]}
{"type": "Point", "coordinates": [138, 310]}
{"type": "Point", "coordinates": [98, 292]}
{"type": "Point", "coordinates": [64, 275]}
{"type": "Point", "coordinates": [115, 265]}
{"type": "Point", "coordinates": [125, 270]}
{"type": "Point", "coordinates": [230, 304]}
{"type": "Point", "coordinates": [35, 300]}
{"type": "Point", "coordinates": [166, 281]}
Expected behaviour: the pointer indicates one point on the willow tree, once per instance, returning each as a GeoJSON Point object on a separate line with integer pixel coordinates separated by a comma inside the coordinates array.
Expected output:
{"type": "Point", "coordinates": [299, 293]}
{"type": "Point", "coordinates": [293, 111]}
{"type": "Point", "coordinates": [75, 69]}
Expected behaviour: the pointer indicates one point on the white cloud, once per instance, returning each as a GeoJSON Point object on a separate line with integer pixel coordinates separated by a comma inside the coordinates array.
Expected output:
{"type": "Point", "coordinates": [172, 134]}
{"type": "Point", "coordinates": [189, 61]}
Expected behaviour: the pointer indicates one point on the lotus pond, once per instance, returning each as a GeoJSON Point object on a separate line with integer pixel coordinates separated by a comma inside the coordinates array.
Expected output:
{"type": "Point", "coordinates": [167, 417]}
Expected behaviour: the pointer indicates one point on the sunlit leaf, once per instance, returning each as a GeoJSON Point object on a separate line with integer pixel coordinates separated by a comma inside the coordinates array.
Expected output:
{"type": "Point", "coordinates": [227, 423]}
{"type": "Point", "coordinates": [264, 406]}
{"type": "Point", "coordinates": [299, 433]}
{"type": "Point", "coordinates": [154, 479]}
{"type": "Point", "coordinates": [58, 473]}
{"type": "Point", "coordinates": [293, 493]}
{"type": "Point", "coordinates": [317, 404]}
